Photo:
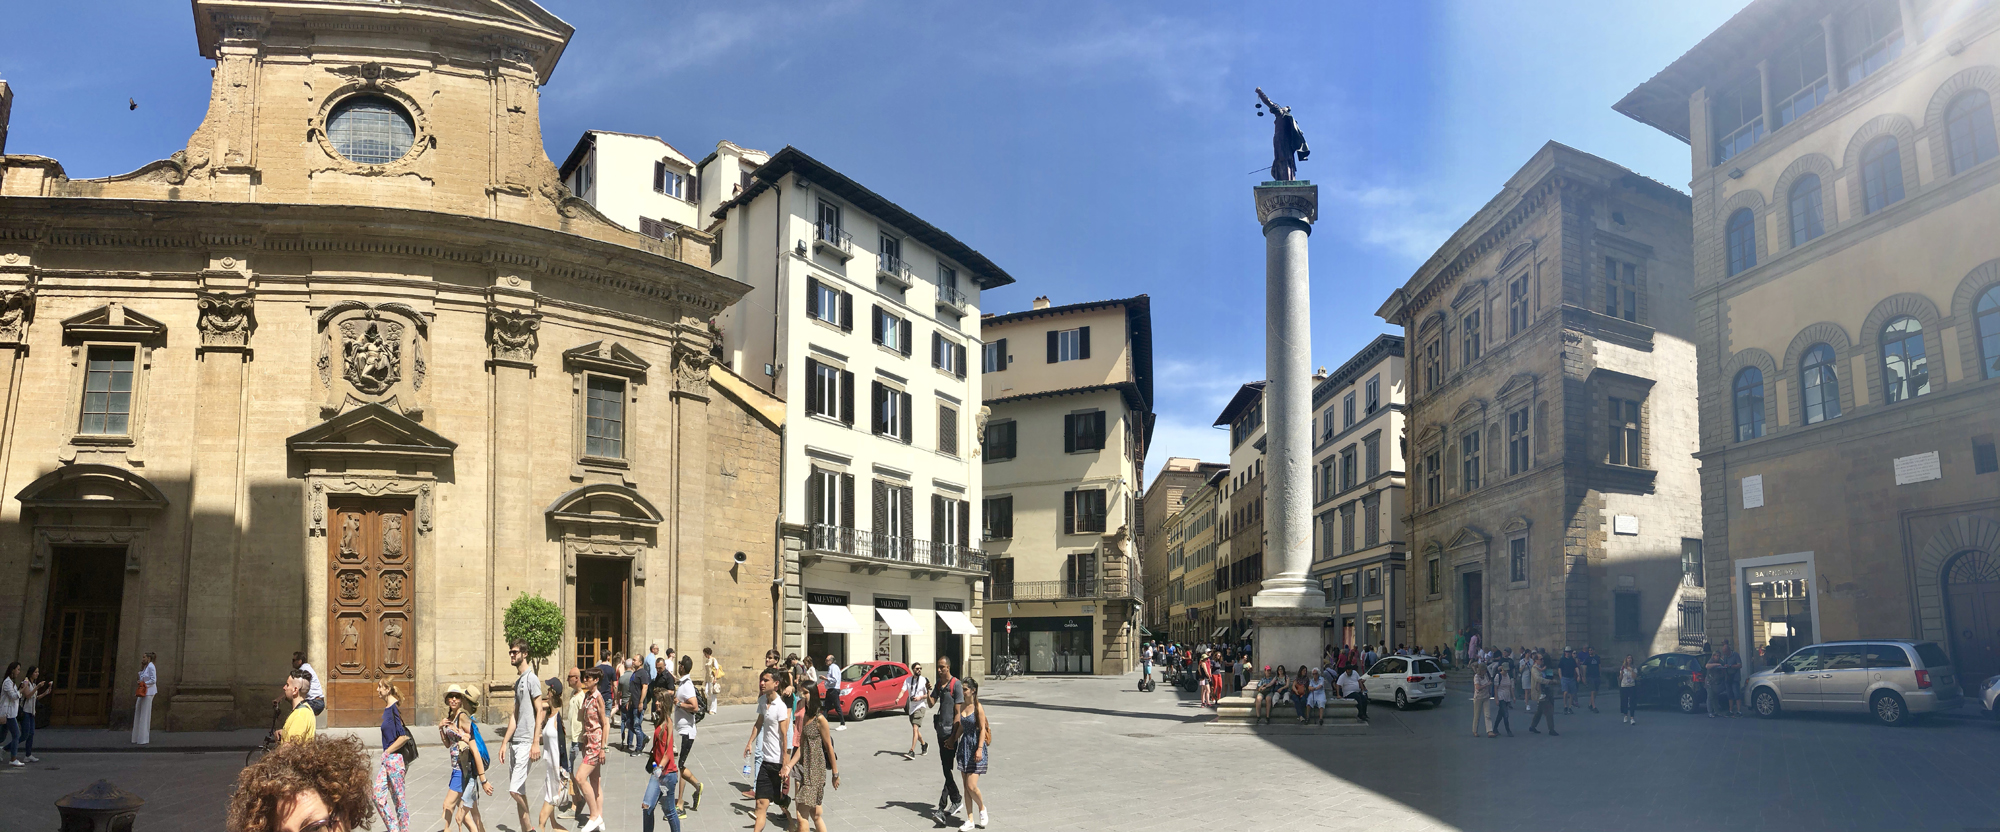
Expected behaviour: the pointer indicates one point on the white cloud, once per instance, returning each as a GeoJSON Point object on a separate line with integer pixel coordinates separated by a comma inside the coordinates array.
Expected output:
{"type": "Point", "coordinates": [1188, 61]}
{"type": "Point", "coordinates": [1402, 221]}
{"type": "Point", "coordinates": [1190, 394]}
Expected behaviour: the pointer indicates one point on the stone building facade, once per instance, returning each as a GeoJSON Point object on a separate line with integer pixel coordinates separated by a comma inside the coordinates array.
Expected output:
{"type": "Point", "coordinates": [1167, 493]}
{"type": "Point", "coordinates": [1360, 549]}
{"type": "Point", "coordinates": [1551, 422]}
{"type": "Point", "coordinates": [1847, 320]}
{"type": "Point", "coordinates": [1193, 537]}
{"type": "Point", "coordinates": [352, 395]}
{"type": "Point", "coordinates": [1239, 554]}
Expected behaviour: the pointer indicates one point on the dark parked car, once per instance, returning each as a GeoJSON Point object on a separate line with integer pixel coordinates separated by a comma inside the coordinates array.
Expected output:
{"type": "Point", "coordinates": [1671, 680]}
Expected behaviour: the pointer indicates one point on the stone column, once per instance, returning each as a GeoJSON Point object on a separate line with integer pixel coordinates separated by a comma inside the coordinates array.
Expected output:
{"type": "Point", "coordinates": [514, 522]}
{"type": "Point", "coordinates": [1290, 609]}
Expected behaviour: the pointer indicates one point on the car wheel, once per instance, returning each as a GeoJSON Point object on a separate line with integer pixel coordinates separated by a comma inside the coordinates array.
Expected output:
{"type": "Point", "coordinates": [1890, 709]}
{"type": "Point", "coordinates": [1688, 702]}
{"type": "Point", "coordinates": [1402, 701]}
{"type": "Point", "coordinates": [858, 711]}
{"type": "Point", "coordinates": [1766, 702]}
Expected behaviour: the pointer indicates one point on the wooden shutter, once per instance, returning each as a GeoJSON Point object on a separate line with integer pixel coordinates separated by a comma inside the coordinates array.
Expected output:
{"type": "Point", "coordinates": [815, 496]}
{"type": "Point", "coordinates": [907, 338]}
{"type": "Point", "coordinates": [1069, 512]}
{"type": "Point", "coordinates": [847, 397]}
{"type": "Point", "coordinates": [1002, 363]}
{"type": "Point", "coordinates": [846, 312]}
{"type": "Point", "coordinates": [1083, 342]}
{"type": "Point", "coordinates": [812, 296]}
{"type": "Point", "coordinates": [1053, 349]}
{"type": "Point", "coordinates": [881, 509]}
{"type": "Point", "coordinates": [812, 386]}
{"type": "Point", "coordinates": [875, 323]}
{"type": "Point", "coordinates": [964, 522]}
{"type": "Point", "coordinates": [908, 432]}
{"type": "Point", "coordinates": [938, 509]}
{"type": "Point", "coordinates": [1069, 433]}
{"type": "Point", "coordinates": [908, 515]}
{"type": "Point", "coordinates": [877, 394]}
{"type": "Point", "coordinates": [947, 429]}
{"type": "Point", "coordinates": [1097, 430]}
{"type": "Point", "coordinates": [660, 177]}
{"type": "Point", "coordinates": [937, 350]}
{"type": "Point", "coordinates": [847, 501]}
{"type": "Point", "coordinates": [958, 351]}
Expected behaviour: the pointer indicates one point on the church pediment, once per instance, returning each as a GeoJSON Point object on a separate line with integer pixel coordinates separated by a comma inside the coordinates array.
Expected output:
{"type": "Point", "coordinates": [1467, 536]}
{"type": "Point", "coordinates": [372, 432]}
{"type": "Point", "coordinates": [604, 504]}
{"type": "Point", "coordinates": [87, 485]}
{"type": "Point", "coordinates": [606, 357]}
{"type": "Point", "coordinates": [1521, 383]}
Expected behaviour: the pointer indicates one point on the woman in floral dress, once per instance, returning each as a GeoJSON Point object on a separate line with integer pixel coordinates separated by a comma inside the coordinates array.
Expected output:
{"type": "Point", "coordinates": [590, 770]}
{"type": "Point", "coordinates": [812, 758]}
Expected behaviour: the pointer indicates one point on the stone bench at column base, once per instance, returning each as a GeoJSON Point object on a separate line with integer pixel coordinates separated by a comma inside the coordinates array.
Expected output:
{"type": "Point", "coordinates": [1236, 713]}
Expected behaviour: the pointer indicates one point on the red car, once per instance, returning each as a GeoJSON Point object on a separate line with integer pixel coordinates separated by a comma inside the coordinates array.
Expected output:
{"type": "Point", "coordinates": [867, 687]}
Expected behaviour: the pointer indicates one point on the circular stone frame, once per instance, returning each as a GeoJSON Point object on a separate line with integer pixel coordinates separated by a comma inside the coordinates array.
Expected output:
{"type": "Point", "coordinates": [421, 138]}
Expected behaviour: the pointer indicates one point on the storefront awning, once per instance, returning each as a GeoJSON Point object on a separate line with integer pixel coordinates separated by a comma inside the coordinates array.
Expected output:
{"type": "Point", "coordinates": [900, 622]}
{"type": "Point", "coordinates": [1218, 632]}
{"type": "Point", "coordinates": [958, 622]}
{"type": "Point", "coordinates": [1248, 633]}
{"type": "Point", "coordinates": [834, 619]}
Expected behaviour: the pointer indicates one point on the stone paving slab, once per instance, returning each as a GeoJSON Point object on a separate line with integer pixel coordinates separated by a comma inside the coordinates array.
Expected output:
{"type": "Point", "coordinates": [1095, 754]}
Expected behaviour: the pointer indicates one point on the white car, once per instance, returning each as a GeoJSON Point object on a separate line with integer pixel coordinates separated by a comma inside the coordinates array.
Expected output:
{"type": "Point", "coordinates": [1988, 691]}
{"type": "Point", "coordinates": [1405, 680]}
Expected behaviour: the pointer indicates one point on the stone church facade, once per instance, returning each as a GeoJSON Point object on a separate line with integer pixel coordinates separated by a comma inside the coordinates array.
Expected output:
{"type": "Point", "coordinates": [354, 394]}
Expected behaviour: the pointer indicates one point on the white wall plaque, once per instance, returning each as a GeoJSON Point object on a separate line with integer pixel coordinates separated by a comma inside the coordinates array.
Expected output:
{"type": "Point", "coordinates": [1920, 468]}
{"type": "Point", "coordinates": [1753, 491]}
{"type": "Point", "coordinates": [1624, 524]}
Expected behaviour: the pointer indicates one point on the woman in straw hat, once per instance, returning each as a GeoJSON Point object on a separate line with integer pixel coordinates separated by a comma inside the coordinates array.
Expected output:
{"type": "Point", "coordinates": [468, 770]}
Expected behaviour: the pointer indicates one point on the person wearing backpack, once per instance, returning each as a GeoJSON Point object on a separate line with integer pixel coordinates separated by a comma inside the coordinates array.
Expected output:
{"type": "Point", "coordinates": [688, 709]}
{"type": "Point", "coordinates": [461, 737]}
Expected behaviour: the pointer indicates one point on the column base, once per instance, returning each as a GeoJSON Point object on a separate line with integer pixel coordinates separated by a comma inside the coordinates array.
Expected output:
{"type": "Point", "coordinates": [1288, 636]}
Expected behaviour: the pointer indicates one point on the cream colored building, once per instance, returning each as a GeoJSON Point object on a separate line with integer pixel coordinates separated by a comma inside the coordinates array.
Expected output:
{"type": "Point", "coordinates": [1168, 492]}
{"type": "Point", "coordinates": [865, 320]}
{"type": "Point", "coordinates": [1360, 548]}
{"type": "Point", "coordinates": [1194, 538]}
{"type": "Point", "coordinates": [1070, 389]}
{"type": "Point", "coordinates": [639, 182]}
{"type": "Point", "coordinates": [1239, 551]}
{"type": "Point", "coordinates": [352, 371]}
{"type": "Point", "coordinates": [1847, 321]}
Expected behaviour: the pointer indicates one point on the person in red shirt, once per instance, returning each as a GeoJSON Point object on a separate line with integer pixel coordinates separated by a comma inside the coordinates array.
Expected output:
{"type": "Point", "coordinates": [664, 770]}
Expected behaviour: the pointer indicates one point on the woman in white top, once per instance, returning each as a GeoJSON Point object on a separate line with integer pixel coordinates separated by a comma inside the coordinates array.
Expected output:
{"type": "Point", "coordinates": [34, 690]}
{"type": "Point", "coordinates": [1628, 690]}
{"type": "Point", "coordinates": [557, 786]}
{"type": "Point", "coordinates": [10, 712]}
{"type": "Point", "coordinates": [714, 667]}
{"type": "Point", "coordinates": [142, 707]}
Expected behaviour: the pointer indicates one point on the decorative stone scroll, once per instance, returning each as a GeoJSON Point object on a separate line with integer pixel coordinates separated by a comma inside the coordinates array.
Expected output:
{"type": "Point", "coordinates": [226, 320]}
{"type": "Point", "coordinates": [513, 335]}
{"type": "Point", "coordinates": [691, 370]}
{"type": "Point", "coordinates": [17, 310]}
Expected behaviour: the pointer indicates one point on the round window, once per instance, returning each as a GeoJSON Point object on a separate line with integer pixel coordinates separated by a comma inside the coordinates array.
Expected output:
{"type": "Point", "coordinates": [370, 130]}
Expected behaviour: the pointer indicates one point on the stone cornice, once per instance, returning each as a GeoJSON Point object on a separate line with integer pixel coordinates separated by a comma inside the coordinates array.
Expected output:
{"type": "Point", "coordinates": [34, 223]}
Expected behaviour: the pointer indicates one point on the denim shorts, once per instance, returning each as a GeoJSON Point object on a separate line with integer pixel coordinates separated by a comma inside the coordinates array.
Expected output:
{"type": "Point", "coordinates": [1569, 686]}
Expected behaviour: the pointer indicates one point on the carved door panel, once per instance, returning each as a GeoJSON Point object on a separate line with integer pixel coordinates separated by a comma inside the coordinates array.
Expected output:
{"type": "Point", "coordinates": [80, 638]}
{"type": "Point", "coordinates": [371, 609]}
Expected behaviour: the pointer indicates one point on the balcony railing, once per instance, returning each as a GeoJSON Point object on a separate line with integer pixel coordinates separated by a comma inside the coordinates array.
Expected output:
{"type": "Point", "coordinates": [1739, 140]}
{"type": "Point", "coordinates": [952, 297]}
{"type": "Point", "coordinates": [829, 238]}
{"type": "Point", "coordinates": [1803, 101]}
{"type": "Point", "coordinates": [892, 268]}
{"type": "Point", "coordinates": [896, 549]}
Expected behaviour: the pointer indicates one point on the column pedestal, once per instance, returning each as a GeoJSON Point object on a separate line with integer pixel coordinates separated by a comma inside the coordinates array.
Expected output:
{"type": "Point", "coordinates": [1289, 636]}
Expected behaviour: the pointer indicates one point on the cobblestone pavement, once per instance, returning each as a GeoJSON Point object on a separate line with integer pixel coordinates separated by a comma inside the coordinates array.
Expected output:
{"type": "Point", "coordinates": [1073, 754]}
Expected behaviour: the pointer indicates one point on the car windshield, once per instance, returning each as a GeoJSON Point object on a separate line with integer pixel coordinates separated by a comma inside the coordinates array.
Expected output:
{"type": "Point", "coordinates": [1932, 655]}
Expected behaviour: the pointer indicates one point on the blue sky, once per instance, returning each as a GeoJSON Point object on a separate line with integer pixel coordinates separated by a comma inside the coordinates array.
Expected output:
{"type": "Point", "coordinates": [1091, 149]}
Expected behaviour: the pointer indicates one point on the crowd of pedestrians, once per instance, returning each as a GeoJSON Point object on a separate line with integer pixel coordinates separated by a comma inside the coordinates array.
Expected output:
{"type": "Point", "coordinates": [1543, 684]}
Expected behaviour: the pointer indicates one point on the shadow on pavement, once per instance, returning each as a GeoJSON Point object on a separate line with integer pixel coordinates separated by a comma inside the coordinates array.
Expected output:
{"type": "Point", "coordinates": [1002, 703]}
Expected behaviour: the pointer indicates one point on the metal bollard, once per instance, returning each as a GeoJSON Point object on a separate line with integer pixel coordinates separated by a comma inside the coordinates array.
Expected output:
{"type": "Point", "coordinates": [103, 807]}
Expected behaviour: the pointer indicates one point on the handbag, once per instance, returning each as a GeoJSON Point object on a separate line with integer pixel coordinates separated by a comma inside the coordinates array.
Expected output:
{"type": "Point", "coordinates": [409, 749]}
{"type": "Point", "coordinates": [566, 793]}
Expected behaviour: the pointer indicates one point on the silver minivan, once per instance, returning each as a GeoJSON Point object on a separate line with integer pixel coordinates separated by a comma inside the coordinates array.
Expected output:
{"type": "Point", "coordinates": [1893, 678]}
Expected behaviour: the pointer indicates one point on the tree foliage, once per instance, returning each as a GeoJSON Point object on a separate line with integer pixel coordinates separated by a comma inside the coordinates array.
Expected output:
{"type": "Point", "coordinates": [537, 621]}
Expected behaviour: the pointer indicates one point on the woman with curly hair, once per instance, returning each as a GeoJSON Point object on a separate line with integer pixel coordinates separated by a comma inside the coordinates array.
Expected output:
{"type": "Point", "coordinates": [321, 784]}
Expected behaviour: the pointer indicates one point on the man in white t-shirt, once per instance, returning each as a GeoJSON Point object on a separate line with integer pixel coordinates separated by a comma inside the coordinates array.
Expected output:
{"type": "Point", "coordinates": [315, 695]}
{"type": "Point", "coordinates": [686, 706]}
{"type": "Point", "coordinates": [768, 734]}
{"type": "Point", "coordinates": [518, 749]}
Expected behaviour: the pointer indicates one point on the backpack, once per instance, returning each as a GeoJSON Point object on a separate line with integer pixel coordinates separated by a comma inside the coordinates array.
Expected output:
{"type": "Point", "coordinates": [701, 703]}
{"type": "Point", "coordinates": [479, 742]}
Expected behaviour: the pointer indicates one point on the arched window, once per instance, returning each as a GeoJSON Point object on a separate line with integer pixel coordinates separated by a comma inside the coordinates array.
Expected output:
{"type": "Point", "coordinates": [1749, 404]}
{"type": "Point", "coordinates": [1820, 382]}
{"type": "Point", "coordinates": [1988, 316]}
{"type": "Point", "coordinates": [1742, 241]}
{"type": "Point", "coordinates": [1905, 372]}
{"type": "Point", "coordinates": [1969, 130]}
{"type": "Point", "coordinates": [1881, 175]}
{"type": "Point", "coordinates": [1806, 220]}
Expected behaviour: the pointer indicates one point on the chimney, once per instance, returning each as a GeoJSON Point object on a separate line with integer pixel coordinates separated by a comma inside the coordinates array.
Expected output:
{"type": "Point", "coordinates": [1040, 302]}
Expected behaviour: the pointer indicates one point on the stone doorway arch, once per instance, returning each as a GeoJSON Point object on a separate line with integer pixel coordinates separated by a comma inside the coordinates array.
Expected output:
{"type": "Point", "coordinates": [1934, 562]}
{"type": "Point", "coordinates": [1972, 613]}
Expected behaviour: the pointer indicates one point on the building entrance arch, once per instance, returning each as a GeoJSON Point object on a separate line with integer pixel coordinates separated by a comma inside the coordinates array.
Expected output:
{"type": "Point", "coordinates": [1972, 610]}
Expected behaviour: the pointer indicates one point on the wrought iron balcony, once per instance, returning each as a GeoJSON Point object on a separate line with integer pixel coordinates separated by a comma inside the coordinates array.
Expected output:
{"type": "Point", "coordinates": [895, 549]}
{"type": "Point", "coordinates": [892, 268]}
{"type": "Point", "coordinates": [829, 238]}
{"type": "Point", "coordinates": [951, 296]}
